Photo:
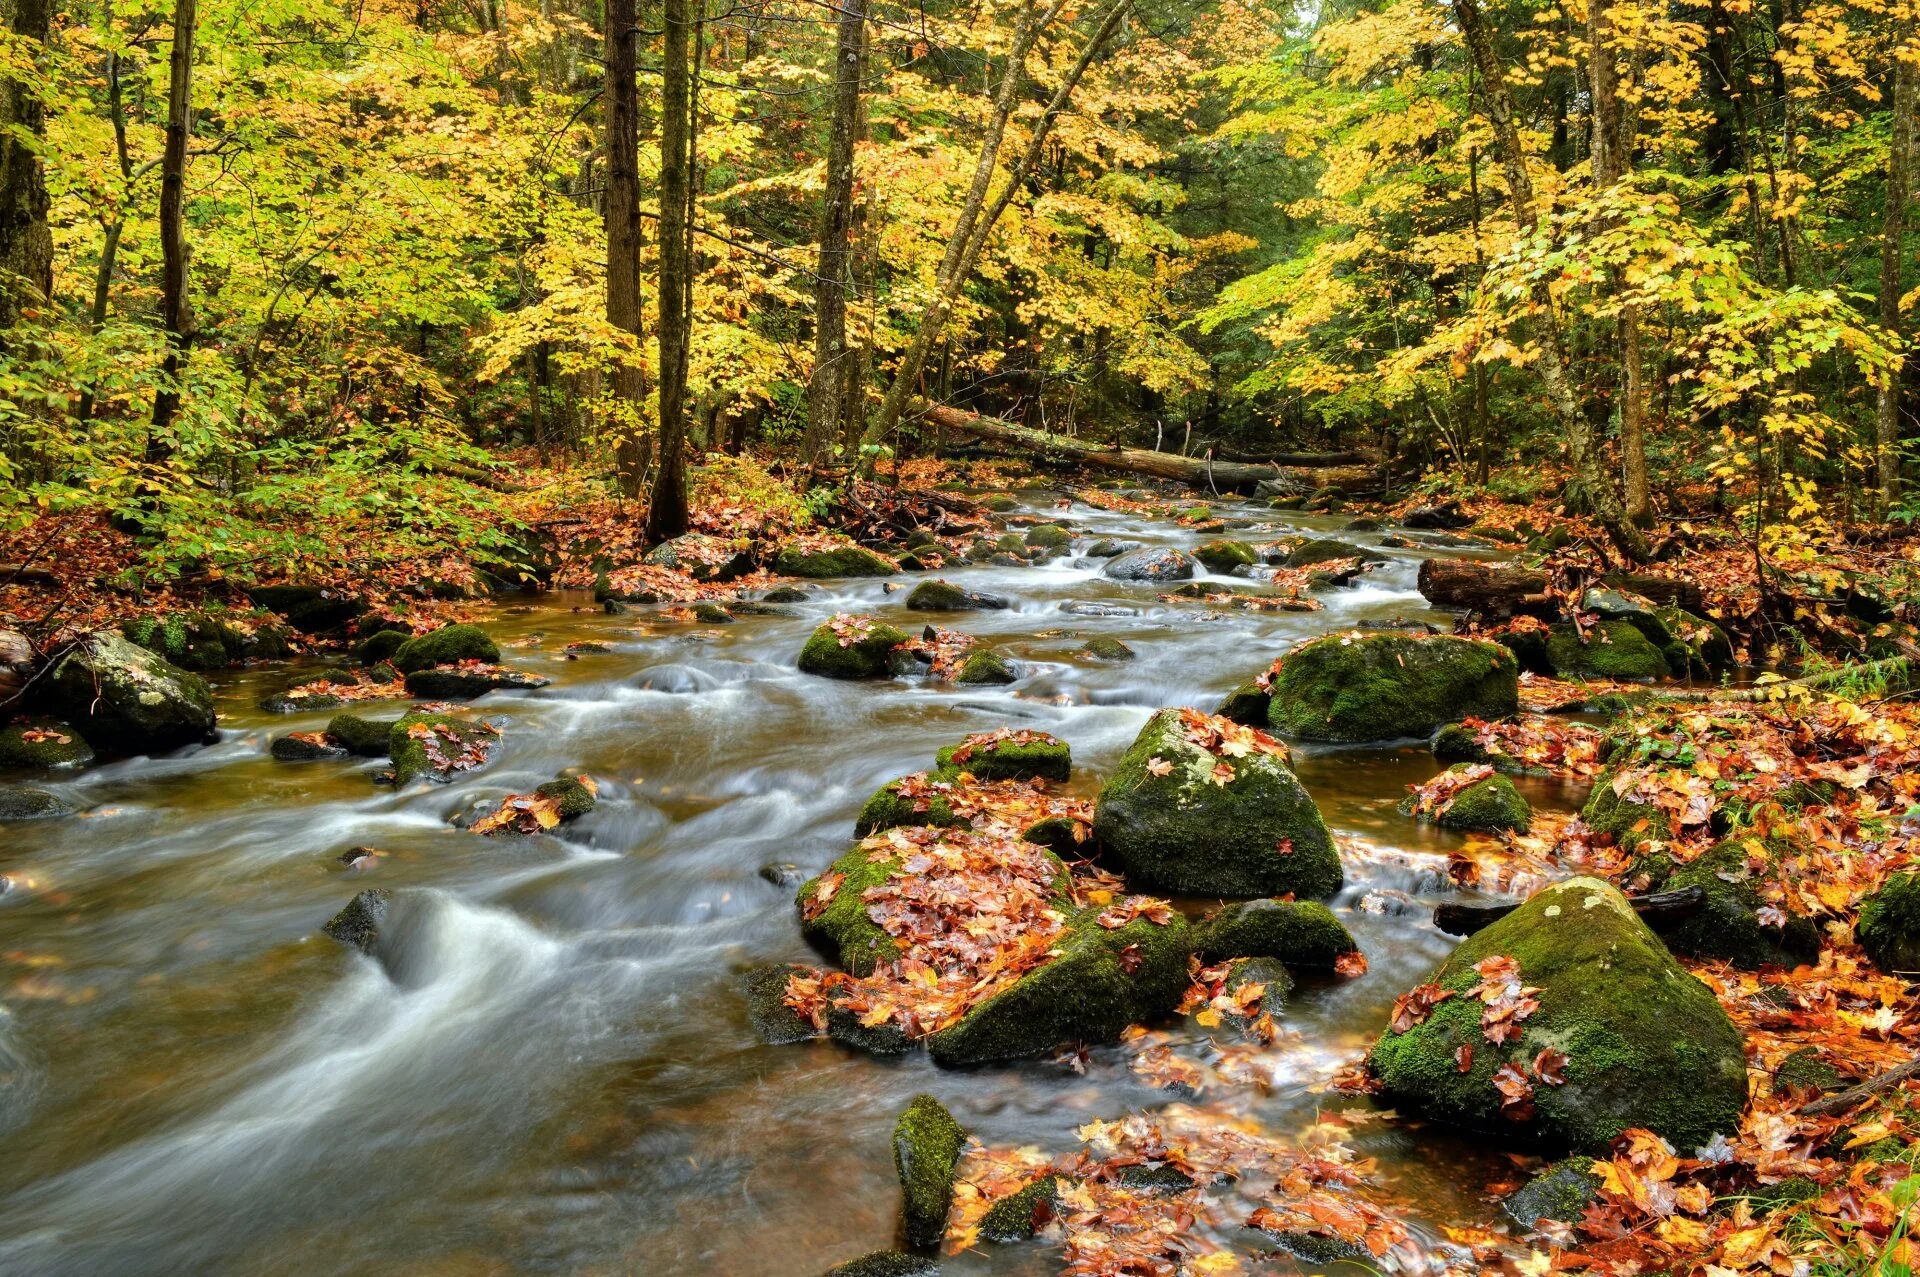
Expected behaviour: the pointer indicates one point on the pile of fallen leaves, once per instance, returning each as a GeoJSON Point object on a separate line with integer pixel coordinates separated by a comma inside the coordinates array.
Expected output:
{"type": "Point", "coordinates": [1434, 797]}
{"type": "Point", "coordinates": [942, 651]}
{"type": "Point", "coordinates": [527, 813]}
{"type": "Point", "coordinates": [1535, 743]}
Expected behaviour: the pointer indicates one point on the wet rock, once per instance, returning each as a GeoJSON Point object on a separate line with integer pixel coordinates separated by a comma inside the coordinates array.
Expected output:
{"type": "Point", "coordinates": [311, 609]}
{"type": "Point", "coordinates": [1394, 541]}
{"type": "Point", "coordinates": [1560, 1193]}
{"type": "Point", "coordinates": [125, 699]}
{"type": "Point", "coordinates": [985, 667]}
{"type": "Point", "coordinates": [23, 802]}
{"type": "Point", "coordinates": [777, 1023]}
{"type": "Point", "coordinates": [886, 1263]}
{"type": "Point", "coordinates": [359, 859]}
{"type": "Point", "coordinates": [1171, 827]}
{"type": "Point", "coordinates": [362, 737]}
{"type": "Point", "coordinates": [1058, 834]}
{"type": "Point", "coordinates": [1731, 926]}
{"type": "Point", "coordinates": [1107, 548]}
{"type": "Point", "coordinates": [1803, 1073]}
{"type": "Point", "coordinates": [845, 1027]}
{"type": "Point", "coordinates": [1082, 608]}
{"type": "Point", "coordinates": [860, 648]}
{"type": "Point", "coordinates": [707, 613]}
{"type": "Point", "coordinates": [1365, 523]}
{"type": "Point", "coordinates": [306, 747]}
{"type": "Point", "coordinates": [358, 925]}
{"type": "Point", "coordinates": [836, 561]}
{"type": "Point", "coordinates": [1646, 1044]}
{"type": "Point", "coordinates": [202, 641]}
{"type": "Point", "coordinates": [1023, 756]}
{"type": "Point", "coordinates": [41, 744]}
{"type": "Point", "coordinates": [1247, 704]}
{"type": "Point", "coordinates": [1387, 686]}
{"type": "Point", "coordinates": [786, 594]}
{"type": "Point", "coordinates": [1303, 934]}
{"type": "Point", "coordinates": [926, 805]}
{"type": "Point", "coordinates": [463, 682]}
{"type": "Point", "coordinates": [1224, 556]}
{"type": "Point", "coordinates": [1328, 550]}
{"type": "Point", "coordinates": [782, 873]}
{"type": "Point", "coordinates": [1102, 981]}
{"type": "Point", "coordinates": [921, 558]}
{"type": "Point", "coordinates": [1487, 806]}
{"type": "Point", "coordinates": [437, 746]}
{"type": "Point", "coordinates": [1024, 1212]}
{"type": "Point", "coordinates": [448, 645]}
{"type": "Point", "coordinates": [1447, 541]}
{"type": "Point", "coordinates": [944, 596]}
{"type": "Point", "coordinates": [1149, 565]}
{"type": "Point", "coordinates": [1443, 515]}
{"type": "Point", "coordinates": [1275, 982]}
{"type": "Point", "coordinates": [381, 646]}
{"type": "Point", "coordinates": [927, 1143]}
{"type": "Point", "coordinates": [1106, 649]}
{"type": "Point", "coordinates": [701, 556]}
{"type": "Point", "coordinates": [572, 796]}
{"type": "Point", "coordinates": [1050, 538]}
{"type": "Point", "coordinates": [1613, 650]}
{"type": "Point", "coordinates": [999, 502]}
{"type": "Point", "coordinates": [1889, 924]}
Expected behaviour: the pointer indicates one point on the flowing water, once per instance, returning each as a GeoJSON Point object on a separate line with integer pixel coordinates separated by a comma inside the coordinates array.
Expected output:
{"type": "Point", "coordinates": [555, 1072]}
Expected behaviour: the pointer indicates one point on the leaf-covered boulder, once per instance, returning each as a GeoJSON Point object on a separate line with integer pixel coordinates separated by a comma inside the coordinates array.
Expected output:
{"type": "Point", "coordinates": [927, 1143]}
{"type": "Point", "coordinates": [40, 744]}
{"type": "Point", "coordinates": [1610, 649]}
{"type": "Point", "coordinates": [448, 645]}
{"type": "Point", "coordinates": [1115, 967]}
{"type": "Point", "coordinates": [1889, 924]}
{"type": "Point", "coordinates": [702, 556]}
{"type": "Point", "coordinates": [819, 562]}
{"type": "Point", "coordinates": [851, 647]}
{"type": "Point", "coordinates": [438, 746]}
{"type": "Point", "coordinates": [1050, 538]}
{"type": "Point", "coordinates": [1567, 1021]}
{"type": "Point", "coordinates": [1009, 755]}
{"type": "Point", "coordinates": [1372, 687]}
{"type": "Point", "coordinates": [1149, 565]}
{"type": "Point", "coordinates": [924, 798]}
{"type": "Point", "coordinates": [306, 747]}
{"type": "Point", "coordinates": [1472, 798]}
{"type": "Point", "coordinates": [1303, 934]}
{"type": "Point", "coordinates": [362, 737]}
{"type": "Point", "coordinates": [1206, 806]}
{"type": "Point", "coordinates": [945, 596]}
{"type": "Point", "coordinates": [125, 699]}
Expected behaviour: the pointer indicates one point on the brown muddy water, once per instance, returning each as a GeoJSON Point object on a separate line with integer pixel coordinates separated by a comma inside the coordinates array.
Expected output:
{"type": "Point", "coordinates": [556, 1074]}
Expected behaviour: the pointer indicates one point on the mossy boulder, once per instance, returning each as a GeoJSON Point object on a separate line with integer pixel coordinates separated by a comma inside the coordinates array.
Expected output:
{"type": "Point", "coordinates": [702, 556]}
{"type": "Point", "coordinates": [1646, 1044]}
{"type": "Point", "coordinates": [1328, 550]}
{"type": "Point", "coordinates": [1249, 704]}
{"type": "Point", "coordinates": [1730, 925]}
{"type": "Point", "coordinates": [1107, 548]}
{"type": "Point", "coordinates": [1304, 934]}
{"type": "Point", "coordinates": [1372, 687]}
{"type": "Point", "coordinates": [1225, 555]}
{"type": "Point", "coordinates": [1151, 564]}
{"type": "Point", "coordinates": [572, 796]}
{"type": "Point", "coordinates": [1104, 648]}
{"type": "Point", "coordinates": [1103, 980]}
{"type": "Point", "coordinates": [1172, 827]}
{"type": "Point", "coordinates": [1889, 925]}
{"type": "Point", "coordinates": [1561, 1193]}
{"type": "Point", "coordinates": [306, 747]}
{"type": "Point", "coordinates": [1612, 649]}
{"type": "Point", "coordinates": [1049, 537]}
{"type": "Point", "coordinates": [1023, 1212]}
{"type": "Point", "coordinates": [1024, 756]}
{"type": "Point", "coordinates": [125, 699]}
{"type": "Point", "coordinates": [380, 646]}
{"type": "Point", "coordinates": [437, 746]}
{"type": "Point", "coordinates": [858, 648]}
{"type": "Point", "coordinates": [192, 640]}
{"type": "Point", "coordinates": [927, 1142]}
{"type": "Point", "coordinates": [1488, 806]}
{"type": "Point", "coordinates": [890, 807]}
{"type": "Point", "coordinates": [998, 502]}
{"type": "Point", "coordinates": [358, 924]}
{"type": "Point", "coordinates": [1620, 816]}
{"type": "Point", "coordinates": [464, 682]}
{"type": "Point", "coordinates": [1275, 982]}
{"type": "Point", "coordinates": [833, 561]}
{"type": "Point", "coordinates": [945, 596]}
{"type": "Point", "coordinates": [842, 927]}
{"type": "Point", "coordinates": [42, 743]}
{"type": "Point", "coordinates": [985, 667]}
{"type": "Point", "coordinates": [776, 1023]}
{"type": "Point", "coordinates": [448, 645]}
{"type": "Point", "coordinates": [885, 1263]}
{"type": "Point", "coordinates": [365, 737]}
{"type": "Point", "coordinates": [1458, 743]}
{"type": "Point", "coordinates": [24, 802]}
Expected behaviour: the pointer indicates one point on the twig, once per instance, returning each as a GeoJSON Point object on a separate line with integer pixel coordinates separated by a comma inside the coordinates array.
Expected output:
{"type": "Point", "coordinates": [1841, 1101]}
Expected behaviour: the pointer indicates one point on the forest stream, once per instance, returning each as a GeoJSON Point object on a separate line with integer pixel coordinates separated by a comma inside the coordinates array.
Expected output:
{"type": "Point", "coordinates": [553, 1070]}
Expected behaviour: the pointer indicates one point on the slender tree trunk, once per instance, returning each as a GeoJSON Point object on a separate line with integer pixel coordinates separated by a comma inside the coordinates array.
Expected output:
{"type": "Point", "coordinates": [111, 232]}
{"type": "Point", "coordinates": [667, 511]}
{"type": "Point", "coordinates": [625, 305]}
{"type": "Point", "coordinates": [828, 385]}
{"type": "Point", "coordinates": [1498, 98]}
{"type": "Point", "coordinates": [1612, 160]}
{"type": "Point", "coordinates": [1892, 234]}
{"type": "Point", "coordinates": [26, 243]}
{"type": "Point", "coordinates": [175, 313]}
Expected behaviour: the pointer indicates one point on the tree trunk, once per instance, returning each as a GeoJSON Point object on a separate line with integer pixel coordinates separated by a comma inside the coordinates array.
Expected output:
{"type": "Point", "coordinates": [667, 510]}
{"type": "Point", "coordinates": [175, 314]}
{"type": "Point", "coordinates": [1498, 98]}
{"type": "Point", "coordinates": [625, 305]}
{"type": "Point", "coordinates": [828, 385]}
{"type": "Point", "coordinates": [26, 243]}
{"type": "Point", "coordinates": [1612, 161]}
{"type": "Point", "coordinates": [1892, 234]}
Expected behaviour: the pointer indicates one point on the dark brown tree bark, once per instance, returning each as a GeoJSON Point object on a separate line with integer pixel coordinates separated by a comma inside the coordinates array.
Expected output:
{"type": "Point", "coordinates": [1613, 136]}
{"type": "Point", "coordinates": [626, 308]}
{"type": "Point", "coordinates": [1893, 229]}
{"type": "Point", "coordinates": [26, 243]}
{"type": "Point", "coordinates": [176, 315]}
{"type": "Point", "coordinates": [667, 510]}
{"type": "Point", "coordinates": [828, 386]}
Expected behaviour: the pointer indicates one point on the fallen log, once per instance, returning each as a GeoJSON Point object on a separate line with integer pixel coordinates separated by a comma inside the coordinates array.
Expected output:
{"type": "Point", "coordinates": [1658, 909]}
{"type": "Point", "coordinates": [1490, 589]}
{"type": "Point", "coordinates": [1199, 472]}
{"type": "Point", "coordinates": [1840, 1101]}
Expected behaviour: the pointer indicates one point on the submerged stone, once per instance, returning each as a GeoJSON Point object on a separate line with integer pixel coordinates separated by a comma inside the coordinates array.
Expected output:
{"type": "Point", "coordinates": [306, 747]}
{"type": "Point", "coordinates": [24, 802]}
{"type": "Point", "coordinates": [358, 925]}
{"type": "Point", "coordinates": [464, 682]}
{"type": "Point", "coordinates": [42, 744]}
{"type": "Point", "coordinates": [885, 1263]}
{"type": "Point", "coordinates": [1106, 649]}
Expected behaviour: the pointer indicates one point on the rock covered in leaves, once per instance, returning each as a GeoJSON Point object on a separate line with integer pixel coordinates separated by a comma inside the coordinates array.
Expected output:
{"type": "Point", "coordinates": [127, 700]}
{"type": "Point", "coordinates": [1738, 922]}
{"type": "Point", "coordinates": [1304, 934]}
{"type": "Point", "coordinates": [927, 1142]}
{"type": "Point", "coordinates": [438, 746]}
{"type": "Point", "coordinates": [1471, 798]}
{"type": "Point", "coordinates": [41, 744]}
{"type": "Point", "coordinates": [306, 747]}
{"type": "Point", "coordinates": [820, 558]}
{"type": "Point", "coordinates": [1149, 565]}
{"type": "Point", "coordinates": [1009, 754]}
{"type": "Point", "coordinates": [448, 645]}
{"type": "Point", "coordinates": [1372, 687]}
{"type": "Point", "coordinates": [548, 807]}
{"type": "Point", "coordinates": [1567, 1021]}
{"type": "Point", "coordinates": [851, 647]}
{"type": "Point", "coordinates": [702, 556]}
{"type": "Point", "coordinates": [1204, 805]}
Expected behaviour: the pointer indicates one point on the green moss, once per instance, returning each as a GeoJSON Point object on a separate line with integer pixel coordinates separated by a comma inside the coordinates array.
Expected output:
{"type": "Point", "coordinates": [1387, 686]}
{"type": "Point", "coordinates": [1804, 1071]}
{"type": "Point", "coordinates": [1022, 1213]}
{"type": "Point", "coordinates": [1458, 743]}
{"type": "Point", "coordinates": [1889, 924]}
{"type": "Point", "coordinates": [1258, 835]}
{"type": "Point", "coordinates": [984, 666]}
{"type": "Point", "coordinates": [1328, 550]}
{"type": "Point", "coordinates": [1046, 759]}
{"type": "Point", "coordinates": [1729, 925]}
{"type": "Point", "coordinates": [1248, 704]}
{"type": "Point", "coordinates": [1197, 512]}
{"type": "Point", "coordinates": [887, 809]}
{"type": "Point", "coordinates": [1562, 1193]}
{"type": "Point", "coordinates": [1613, 649]}
{"type": "Point", "coordinates": [1300, 933]}
{"type": "Point", "coordinates": [367, 737]}
{"type": "Point", "coordinates": [777, 1023]}
{"type": "Point", "coordinates": [1106, 649]}
{"type": "Point", "coordinates": [1102, 981]}
{"type": "Point", "coordinates": [1270, 973]}
{"type": "Point", "coordinates": [999, 502]}
{"type": "Point", "coordinates": [945, 596]}
{"type": "Point", "coordinates": [885, 1263]}
{"type": "Point", "coordinates": [1647, 1045]}
{"type": "Point", "coordinates": [63, 746]}
{"type": "Point", "coordinates": [1630, 823]}
{"type": "Point", "coordinates": [867, 657]}
{"type": "Point", "coordinates": [574, 797]}
{"type": "Point", "coordinates": [448, 645]}
{"type": "Point", "coordinates": [376, 648]}
{"type": "Point", "coordinates": [843, 927]}
{"type": "Point", "coordinates": [1765, 1199]}
{"type": "Point", "coordinates": [926, 1147]}
{"type": "Point", "coordinates": [125, 699]}
{"type": "Point", "coordinates": [1058, 835]}
{"type": "Point", "coordinates": [1225, 556]}
{"type": "Point", "coordinates": [845, 560]}
{"type": "Point", "coordinates": [1487, 806]}
{"type": "Point", "coordinates": [709, 613]}
{"type": "Point", "coordinates": [409, 755]}
{"type": "Point", "coordinates": [1050, 537]}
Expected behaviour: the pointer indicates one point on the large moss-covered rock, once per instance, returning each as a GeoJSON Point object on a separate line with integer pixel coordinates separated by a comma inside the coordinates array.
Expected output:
{"type": "Point", "coordinates": [380, 646]}
{"type": "Point", "coordinates": [1646, 1044]}
{"type": "Point", "coordinates": [1731, 925]}
{"type": "Point", "coordinates": [437, 746]}
{"type": "Point", "coordinates": [1889, 924]}
{"type": "Point", "coordinates": [42, 743]}
{"type": "Point", "coordinates": [1103, 980]}
{"type": "Point", "coordinates": [1301, 933]}
{"type": "Point", "coordinates": [448, 645]}
{"type": "Point", "coordinates": [945, 596]}
{"type": "Point", "coordinates": [1369, 687]}
{"type": "Point", "coordinates": [1050, 538]}
{"type": "Point", "coordinates": [1226, 555]}
{"type": "Point", "coordinates": [192, 640]}
{"type": "Point", "coordinates": [1172, 827]}
{"type": "Point", "coordinates": [127, 700]}
{"type": "Point", "coordinates": [841, 560]}
{"type": "Point", "coordinates": [1328, 550]}
{"type": "Point", "coordinates": [851, 648]}
{"type": "Point", "coordinates": [927, 1142]}
{"type": "Point", "coordinates": [1016, 756]}
{"type": "Point", "coordinates": [365, 737]}
{"type": "Point", "coordinates": [1149, 565]}
{"type": "Point", "coordinates": [1613, 649]}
